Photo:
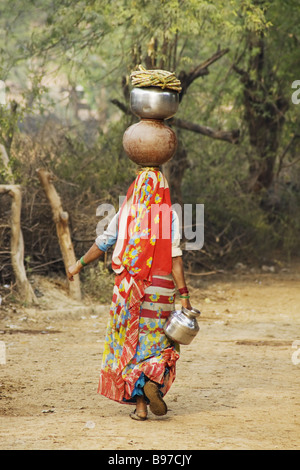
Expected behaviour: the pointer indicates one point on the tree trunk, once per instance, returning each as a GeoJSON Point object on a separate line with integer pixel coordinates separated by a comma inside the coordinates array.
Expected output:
{"type": "Point", "coordinates": [17, 244]}
{"type": "Point", "coordinates": [9, 178]}
{"type": "Point", "coordinates": [264, 114]}
{"type": "Point", "coordinates": [61, 219]}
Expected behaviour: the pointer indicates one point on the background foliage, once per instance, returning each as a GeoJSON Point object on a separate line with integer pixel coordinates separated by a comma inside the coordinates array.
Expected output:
{"type": "Point", "coordinates": [66, 67]}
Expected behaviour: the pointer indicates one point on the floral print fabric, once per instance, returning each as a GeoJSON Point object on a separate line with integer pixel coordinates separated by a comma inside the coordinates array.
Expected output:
{"type": "Point", "coordinates": [143, 297]}
{"type": "Point", "coordinates": [140, 339]}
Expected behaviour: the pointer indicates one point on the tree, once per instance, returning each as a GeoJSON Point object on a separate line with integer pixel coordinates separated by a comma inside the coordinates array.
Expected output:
{"type": "Point", "coordinates": [236, 61]}
{"type": "Point", "coordinates": [266, 67]}
{"type": "Point", "coordinates": [161, 34]}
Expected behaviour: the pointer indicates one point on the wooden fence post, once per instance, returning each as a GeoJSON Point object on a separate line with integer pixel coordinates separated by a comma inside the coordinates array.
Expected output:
{"type": "Point", "coordinates": [61, 219]}
{"type": "Point", "coordinates": [17, 244]}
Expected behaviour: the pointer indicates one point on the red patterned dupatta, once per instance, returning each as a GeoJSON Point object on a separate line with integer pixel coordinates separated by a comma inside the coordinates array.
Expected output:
{"type": "Point", "coordinates": [144, 238]}
{"type": "Point", "coordinates": [143, 249]}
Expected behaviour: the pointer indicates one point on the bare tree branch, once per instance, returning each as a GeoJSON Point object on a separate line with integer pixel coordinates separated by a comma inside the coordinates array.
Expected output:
{"type": "Point", "coordinates": [281, 166]}
{"type": "Point", "coordinates": [228, 136]}
{"type": "Point", "coordinates": [188, 78]}
{"type": "Point", "coordinates": [123, 107]}
{"type": "Point", "coordinates": [61, 220]}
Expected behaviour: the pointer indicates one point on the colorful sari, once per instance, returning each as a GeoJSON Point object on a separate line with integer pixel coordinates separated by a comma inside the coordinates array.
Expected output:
{"type": "Point", "coordinates": [136, 348]}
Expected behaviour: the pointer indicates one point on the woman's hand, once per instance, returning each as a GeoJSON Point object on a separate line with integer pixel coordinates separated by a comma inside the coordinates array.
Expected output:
{"type": "Point", "coordinates": [91, 255]}
{"type": "Point", "coordinates": [186, 303]}
{"type": "Point", "coordinates": [74, 269]}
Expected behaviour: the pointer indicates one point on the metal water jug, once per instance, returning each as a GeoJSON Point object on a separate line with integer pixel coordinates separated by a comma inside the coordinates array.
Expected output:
{"type": "Point", "coordinates": [182, 325]}
{"type": "Point", "coordinates": [154, 103]}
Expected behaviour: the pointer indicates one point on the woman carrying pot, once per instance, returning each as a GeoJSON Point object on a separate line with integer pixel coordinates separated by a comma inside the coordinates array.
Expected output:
{"type": "Point", "coordinates": [139, 361]}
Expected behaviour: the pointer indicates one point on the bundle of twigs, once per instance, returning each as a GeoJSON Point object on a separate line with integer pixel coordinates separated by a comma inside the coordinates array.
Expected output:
{"type": "Point", "coordinates": [160, 78]}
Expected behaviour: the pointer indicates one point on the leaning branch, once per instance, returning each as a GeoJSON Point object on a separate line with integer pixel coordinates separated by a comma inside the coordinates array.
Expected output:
{"type": "Point", "coordinates": [61, 220]}
{"type": "Point", "coordinates": [187, 79]}
{"type": "Point", "coordinates": [123, 107]}
{"type": "Point", "coordinates": [228, 136]}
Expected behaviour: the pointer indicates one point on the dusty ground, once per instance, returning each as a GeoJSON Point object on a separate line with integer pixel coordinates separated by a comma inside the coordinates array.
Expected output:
{"type": "Point", "coordinates": [237, 384]}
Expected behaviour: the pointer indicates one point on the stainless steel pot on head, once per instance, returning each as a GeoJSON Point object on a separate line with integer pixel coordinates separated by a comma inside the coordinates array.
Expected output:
{"type": "Point", "coordinates": [182, 325]}
{"type": "Point", "coordinates": [154, 102]}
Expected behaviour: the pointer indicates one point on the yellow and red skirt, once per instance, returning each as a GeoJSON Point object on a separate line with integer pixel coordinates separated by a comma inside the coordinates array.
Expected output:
{"type": "Point", "coordinates": [136, 348]}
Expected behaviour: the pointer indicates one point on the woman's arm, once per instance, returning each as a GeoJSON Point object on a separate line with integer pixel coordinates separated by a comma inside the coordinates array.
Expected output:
{"type": "Point", "coordinates": [91, 255]}
{"type": "Point", "coordinates": [102, 244]}
{"type": "Point", "coordinates": [178, 276]}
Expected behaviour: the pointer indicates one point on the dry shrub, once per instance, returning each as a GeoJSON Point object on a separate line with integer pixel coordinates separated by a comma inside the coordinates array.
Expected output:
{"type": "Point", "coordinates": [98, 282]}
{"type": "Point", "coordinates": [84, 178]}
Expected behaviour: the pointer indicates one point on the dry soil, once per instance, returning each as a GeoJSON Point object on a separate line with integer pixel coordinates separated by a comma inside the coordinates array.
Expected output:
{"type": "Point", "coordinates": [237, 384]}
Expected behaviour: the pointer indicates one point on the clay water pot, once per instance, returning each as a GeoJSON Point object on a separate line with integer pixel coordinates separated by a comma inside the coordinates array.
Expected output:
{"type": "Point", "coordinates": [150, 142]}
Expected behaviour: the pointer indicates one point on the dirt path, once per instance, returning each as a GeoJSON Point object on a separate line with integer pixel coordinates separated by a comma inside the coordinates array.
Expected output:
{"type": "Point", "coordinates": [237, 384]}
